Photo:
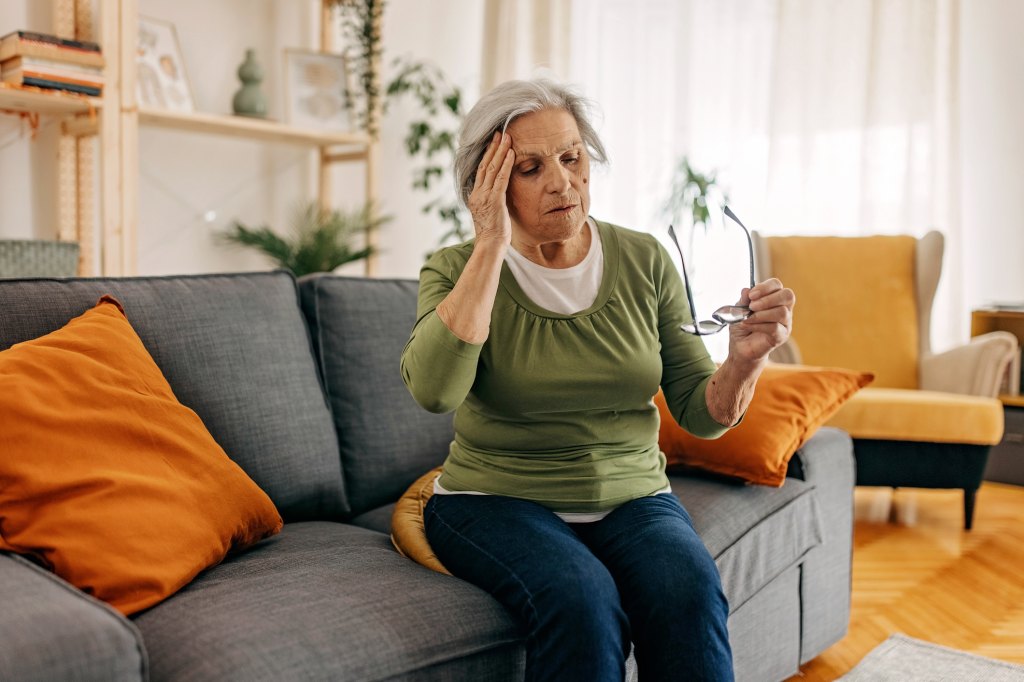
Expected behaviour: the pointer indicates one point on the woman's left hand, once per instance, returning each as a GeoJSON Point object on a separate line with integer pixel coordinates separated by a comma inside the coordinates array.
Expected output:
{"type": "Point", "coordinates": [769, 324]}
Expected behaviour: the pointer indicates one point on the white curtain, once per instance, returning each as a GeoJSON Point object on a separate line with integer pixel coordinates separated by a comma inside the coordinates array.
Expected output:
{"type": "Point", "coordinates": [525, 39]}
{"type": "Point", "coordinates": [820, 117]}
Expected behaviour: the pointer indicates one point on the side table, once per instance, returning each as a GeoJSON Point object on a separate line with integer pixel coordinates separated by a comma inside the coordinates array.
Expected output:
{"type": "Point", "coordinates": [1006, 460]}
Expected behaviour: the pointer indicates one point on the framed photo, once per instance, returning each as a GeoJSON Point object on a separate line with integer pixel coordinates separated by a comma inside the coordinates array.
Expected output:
{"type": "Point", "coordinates": [162, 82]}
{"type": "Point", "coordinates": [315, 85]}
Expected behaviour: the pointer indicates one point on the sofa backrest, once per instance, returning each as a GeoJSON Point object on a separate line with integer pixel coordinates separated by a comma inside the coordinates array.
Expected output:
{"type": "Point", "coordinates": [387, 441]}
{"type": "Point", "coordinates": [235, 349]}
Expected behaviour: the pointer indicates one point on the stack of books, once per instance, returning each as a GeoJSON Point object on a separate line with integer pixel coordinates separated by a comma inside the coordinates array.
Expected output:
{"type": "Point", "coordinates": [46, 61]}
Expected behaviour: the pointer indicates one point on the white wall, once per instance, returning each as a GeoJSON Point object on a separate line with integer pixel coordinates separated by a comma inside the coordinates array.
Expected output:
{"type": "Point", "coordinates": [183, 176]}
{"type": "Point", "coordinates": [448, 34]}
{"type": "Point", "coordinates": [24, 212]}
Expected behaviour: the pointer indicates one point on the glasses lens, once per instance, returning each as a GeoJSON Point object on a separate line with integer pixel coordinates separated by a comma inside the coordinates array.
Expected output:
{"type": "Point", "coordinates": [702, 327]}
{"type": "Point", "coordinates": [731, 314]}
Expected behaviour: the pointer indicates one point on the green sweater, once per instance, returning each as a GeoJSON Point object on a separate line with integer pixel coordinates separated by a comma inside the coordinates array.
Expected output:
{"type": "Point", "coordinates": [558, 408]}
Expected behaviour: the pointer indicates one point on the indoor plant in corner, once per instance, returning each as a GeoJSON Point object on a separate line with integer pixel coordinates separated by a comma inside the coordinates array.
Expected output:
{"type": "Point", "coordinates": [320, 239]}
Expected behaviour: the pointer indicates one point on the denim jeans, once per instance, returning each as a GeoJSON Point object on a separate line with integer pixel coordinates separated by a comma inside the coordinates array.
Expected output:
{"type": "Point", "coordinates": [583, 591]}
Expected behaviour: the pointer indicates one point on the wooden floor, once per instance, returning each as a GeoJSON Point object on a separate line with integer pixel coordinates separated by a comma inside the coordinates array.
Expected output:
{"type": "Point", "coordinates": [924, 576]}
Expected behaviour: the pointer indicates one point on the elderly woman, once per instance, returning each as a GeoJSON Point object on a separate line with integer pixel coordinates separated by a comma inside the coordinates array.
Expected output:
{"type": "Point", "coordinates": [549, 334]}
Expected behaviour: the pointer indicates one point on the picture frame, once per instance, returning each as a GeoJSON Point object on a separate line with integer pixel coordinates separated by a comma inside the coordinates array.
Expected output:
{"type": "Point", "coordinates": [315, 86]}
{"type": "Point", "coordinates": [162, 80]}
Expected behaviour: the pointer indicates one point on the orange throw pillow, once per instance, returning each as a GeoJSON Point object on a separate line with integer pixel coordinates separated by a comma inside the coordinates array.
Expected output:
{"type": "Point", "coordinates": [790, 403]}
{"type": "Point", "coordinates": [106, 478]}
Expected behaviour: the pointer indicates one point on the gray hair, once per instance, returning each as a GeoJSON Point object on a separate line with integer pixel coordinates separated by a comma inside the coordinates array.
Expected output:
{"type": "Point", "coordinates": [502, 105]}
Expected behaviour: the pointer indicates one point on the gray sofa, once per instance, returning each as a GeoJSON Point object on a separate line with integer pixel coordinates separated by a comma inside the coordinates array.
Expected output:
{"type": "Point", "coordinates": [299, 382]}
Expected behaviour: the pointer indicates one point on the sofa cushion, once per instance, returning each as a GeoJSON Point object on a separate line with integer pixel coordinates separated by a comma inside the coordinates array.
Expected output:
{"type": "Point", "coordinates": [378, 518]}
{"type": "Point", "coordinates": [107, 479]}
{"type": "Point", "coordinates": [328, 601]}
{"type": "Point", "coordinates": [754, 533]}
{"type": "Point", "coordinates": [51, 631]}
{"type": "Point", "coordinates": [235, 349]}
{"type": "Point", "coordinates": [359, 329]}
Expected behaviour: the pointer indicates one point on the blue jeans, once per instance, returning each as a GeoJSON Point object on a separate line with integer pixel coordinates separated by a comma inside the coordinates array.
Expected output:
{"type": "Point", "coordinates": [583, 591]}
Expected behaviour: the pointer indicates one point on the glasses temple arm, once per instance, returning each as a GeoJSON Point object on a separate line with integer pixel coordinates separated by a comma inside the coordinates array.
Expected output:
{"type": "Point", "coordinates": [750, 242]}
{"type": "Point", "coordinates": [686, 279]}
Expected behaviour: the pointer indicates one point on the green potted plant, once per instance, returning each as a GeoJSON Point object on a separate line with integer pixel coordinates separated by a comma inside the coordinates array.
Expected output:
{"type": "Point", "coordinates": [431, 136]}
{"type": "Point", "coordinates": [689, 200]}
{"type": "Point", "coordinates": [320, 240]}
{"type": "Point", "coordinates": [690, 194]}
{"type": "Point", "coordinates": [361, 26]}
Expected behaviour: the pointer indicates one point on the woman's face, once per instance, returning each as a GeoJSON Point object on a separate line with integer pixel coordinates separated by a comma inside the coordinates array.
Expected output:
{"type": "Point", "coordinates": [548, 193]}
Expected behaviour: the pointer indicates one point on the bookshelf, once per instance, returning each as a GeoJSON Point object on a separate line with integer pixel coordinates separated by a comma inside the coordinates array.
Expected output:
{"type": "Point", "coordinates": [25, 101]}
{"type": "Point", "coordinates": [248, 128]}
{"type": "Point", "coordinates": [109, 125]}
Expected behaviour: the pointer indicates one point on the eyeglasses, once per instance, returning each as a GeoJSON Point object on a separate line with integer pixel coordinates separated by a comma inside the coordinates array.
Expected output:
{"type": "Point", "coordinates": [727, 314]}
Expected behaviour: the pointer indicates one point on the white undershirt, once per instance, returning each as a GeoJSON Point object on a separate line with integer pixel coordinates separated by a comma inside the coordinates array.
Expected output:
{"type": "Point", "coordinates": [568, 517]}
{"type": "Point", "coordinates": [564, 291]}
{"type": "Point", "coordinates": [561, 290]}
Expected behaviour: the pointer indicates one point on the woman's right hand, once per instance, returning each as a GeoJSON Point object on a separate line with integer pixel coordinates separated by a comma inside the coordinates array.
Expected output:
{"type": "Point", "coordinates": [487, 202]}
{"type": "Point", "coordinates": [466, 310]}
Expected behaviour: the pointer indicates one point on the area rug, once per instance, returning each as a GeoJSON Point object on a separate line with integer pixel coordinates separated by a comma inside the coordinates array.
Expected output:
{"type": "Point", "coordinates": [905, 659]}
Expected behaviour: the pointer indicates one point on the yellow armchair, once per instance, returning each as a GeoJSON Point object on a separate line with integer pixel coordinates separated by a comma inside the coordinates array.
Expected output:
{"type": "Point", "coordinates": [864, 303]}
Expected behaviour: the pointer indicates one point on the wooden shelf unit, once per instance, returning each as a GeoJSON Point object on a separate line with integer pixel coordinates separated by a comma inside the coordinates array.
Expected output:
{"type": "Point", "coordinates": [988, 320]}
{"type": "Point", "coordinates": [1012, 400]}
{"type": "Point", "coordinates": [1006, 459]}
{"type": "Point", "coordinates": [249, 128]}
{"type": "Point", "coordinates": [113, 120]}
{"type": "Point", "coordinates": [35, 101]}
{"type": "Point", "coordinates": [992, 320]}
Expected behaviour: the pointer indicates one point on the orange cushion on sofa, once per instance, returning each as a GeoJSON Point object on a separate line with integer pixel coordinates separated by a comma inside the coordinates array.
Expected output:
{"type": "Point", "coordinates": [790, 403]}
{"type": "Point", "coordinates": [106, 478]}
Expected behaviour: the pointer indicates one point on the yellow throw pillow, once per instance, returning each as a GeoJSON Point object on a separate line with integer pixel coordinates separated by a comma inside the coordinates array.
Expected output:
{"type": "Point", "coordinates": [108, 480]}
{"type": "Point", "coordinates": [407, 531]}
{"type": "Point", "coordinates": [790, 403]}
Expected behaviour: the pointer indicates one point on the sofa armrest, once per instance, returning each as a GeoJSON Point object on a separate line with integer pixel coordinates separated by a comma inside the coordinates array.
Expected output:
{"type": "Point", "coordinates": [976, 368]}
{"type": "Point", "coordinates": [826, 461]}
{"type": "Point", "coordinates": [51, 631]}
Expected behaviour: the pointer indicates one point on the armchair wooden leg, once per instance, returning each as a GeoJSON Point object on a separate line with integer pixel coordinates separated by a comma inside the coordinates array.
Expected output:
{"type": "Point", "coordinates": [969, 498]}
{"type": "Point", "coordinates": [894, 515]}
